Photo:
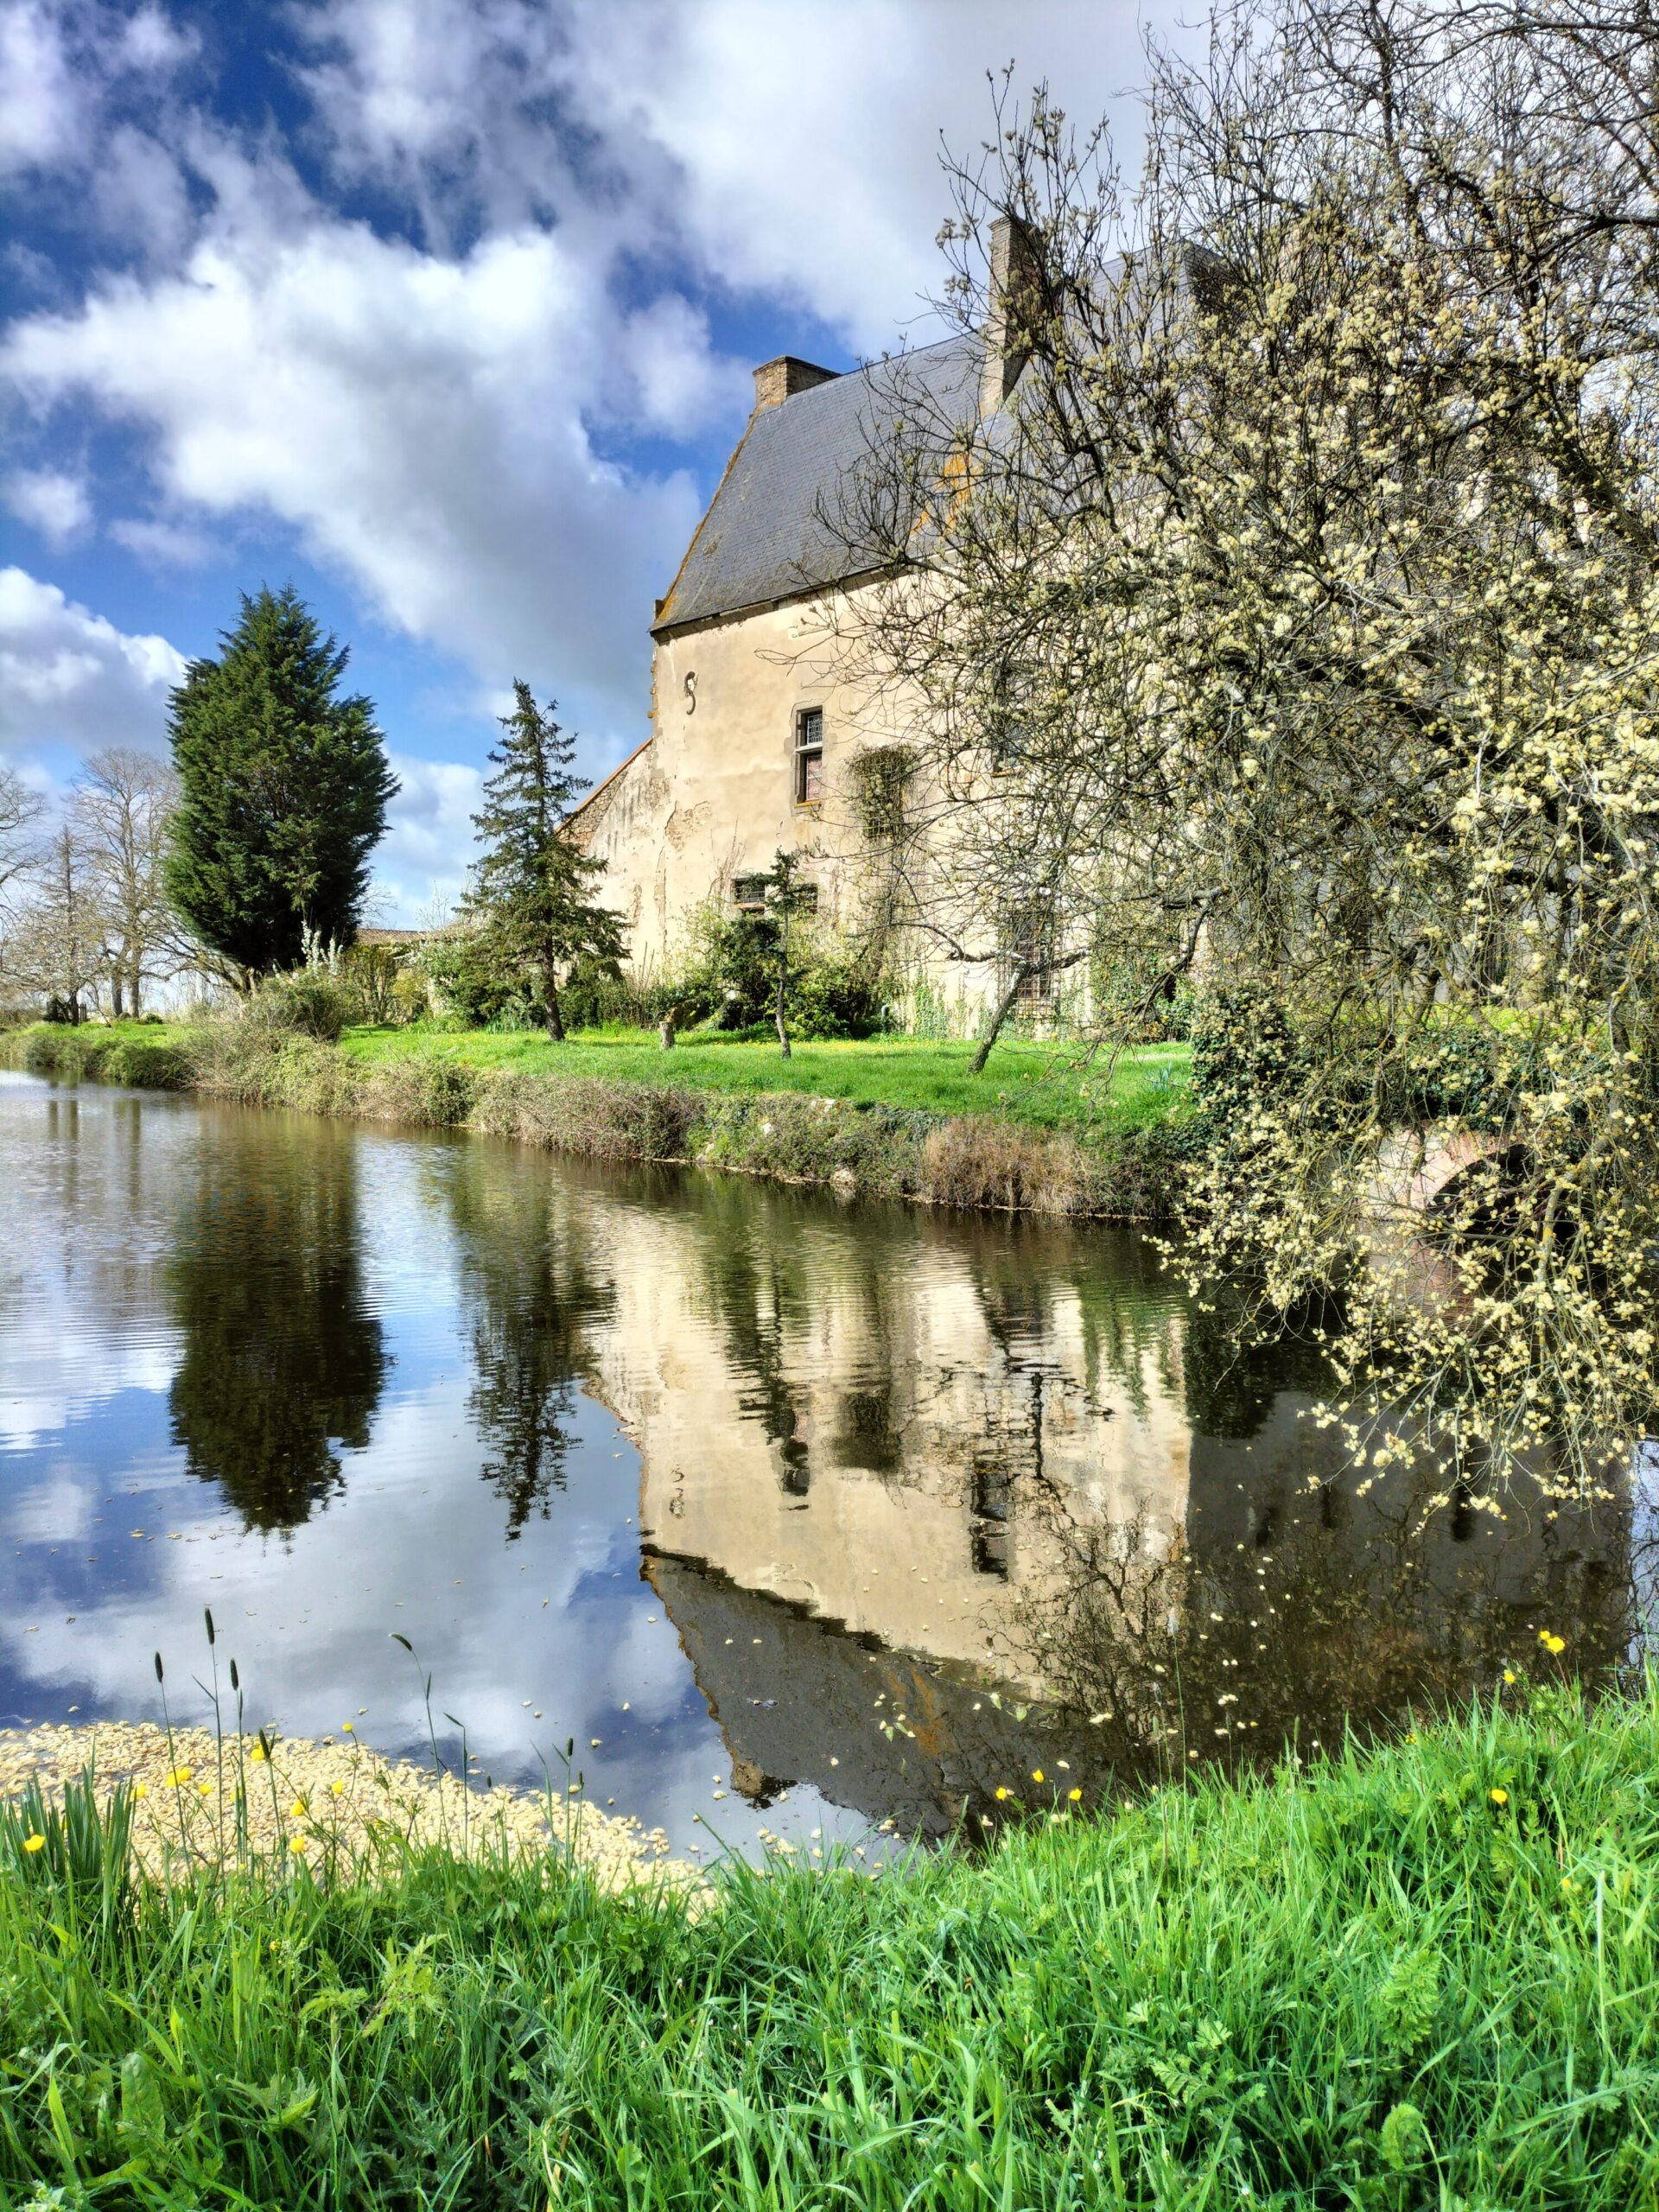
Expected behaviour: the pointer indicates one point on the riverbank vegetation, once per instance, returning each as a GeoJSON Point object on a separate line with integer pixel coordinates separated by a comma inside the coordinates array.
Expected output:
{"type": "Point", "coordinates": [1418, 1974]}
{"type": "Point", "coordinates": [879, 1118]}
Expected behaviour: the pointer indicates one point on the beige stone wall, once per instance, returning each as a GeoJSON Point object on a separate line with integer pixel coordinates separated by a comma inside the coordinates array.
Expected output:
{"type": "Point", "coordinates": [712, 797]}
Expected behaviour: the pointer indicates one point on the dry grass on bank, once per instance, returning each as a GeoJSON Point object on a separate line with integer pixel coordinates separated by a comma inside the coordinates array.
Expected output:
{"type": "Point", "coordinates": [201, 1802]}
{"type": "Point", "coordinates": [1123, 1168]}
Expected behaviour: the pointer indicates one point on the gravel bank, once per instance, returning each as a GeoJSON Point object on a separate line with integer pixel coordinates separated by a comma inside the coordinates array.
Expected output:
{"type": "Point", "coordinates": [316, 1800]}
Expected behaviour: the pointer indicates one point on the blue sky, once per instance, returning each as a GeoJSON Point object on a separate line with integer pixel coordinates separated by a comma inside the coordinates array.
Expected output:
{"type": "Point", "coordinates": [443, 309]}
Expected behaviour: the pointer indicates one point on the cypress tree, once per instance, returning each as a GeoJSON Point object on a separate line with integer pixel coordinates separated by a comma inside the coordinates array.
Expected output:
{"type": "Point", "coordinates": [531, 893]}
{"type": "Point", "coordinates": [283, 789]}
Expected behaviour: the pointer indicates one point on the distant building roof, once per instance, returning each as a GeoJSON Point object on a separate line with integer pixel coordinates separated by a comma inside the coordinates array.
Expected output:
{"type": "Point", "coordinates": [764, 537]}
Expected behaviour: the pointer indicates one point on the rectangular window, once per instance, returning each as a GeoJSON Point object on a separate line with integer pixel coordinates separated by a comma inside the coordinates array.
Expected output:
{"type": "Point", "coordinates": [750, 891]}
{"type": "Point", "coordinates": [809, 756]}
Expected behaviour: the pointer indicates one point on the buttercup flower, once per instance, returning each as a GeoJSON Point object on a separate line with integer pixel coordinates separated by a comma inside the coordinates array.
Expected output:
{"type": "Point", "coordinates": [34, 1843]}
{"type": "Point", "coordinates": [296, 1843]}
{"type": "Point", "coordinates": [1000, 1792]}
{"type": "Point", "coordinates": [1498, 1796]}
{"type": "Point", "coordinates": [1037, 1774]}
{"type": "Point", "coordinates": [1076, 1797]}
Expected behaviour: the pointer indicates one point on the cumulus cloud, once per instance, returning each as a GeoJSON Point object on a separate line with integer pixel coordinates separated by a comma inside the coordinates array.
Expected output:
{"type": "Point", "coordinates": [68, 677]}
{"type": "Point", "coordinates": [439, 407]}
{"type": "Point", "coordinates": [420, 421]}
{"type": "Point", "coordinates": [51, 501]}
{"type": "Point", "coordinates": [795, 155]}
{"type": "Point", "coordinates": [162, 544]}
{"type": "Point", "coordinates": [427, 847]}
{"type": "Point", "coordinates": [39, 100]}
{"type": "Point", "coordinates": [58, 65]}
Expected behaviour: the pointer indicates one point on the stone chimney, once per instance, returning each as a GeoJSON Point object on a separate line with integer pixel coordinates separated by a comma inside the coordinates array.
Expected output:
{"type": "Point", "coordinates": [777, 381]}
{"type": "Point", "coordinates": [1013, 269]}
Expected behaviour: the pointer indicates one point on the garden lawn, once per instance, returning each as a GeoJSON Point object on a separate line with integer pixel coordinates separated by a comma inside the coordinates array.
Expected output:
{"type": "Point", "coordinates": [1046, 1086]}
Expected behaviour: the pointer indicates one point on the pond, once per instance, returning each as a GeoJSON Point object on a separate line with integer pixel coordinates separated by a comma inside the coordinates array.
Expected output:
{"type": "Point", "coordinates": [798, 1517]}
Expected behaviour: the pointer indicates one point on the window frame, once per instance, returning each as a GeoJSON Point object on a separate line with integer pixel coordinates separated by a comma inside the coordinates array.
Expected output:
{"type": "Point", "coordinates": [807, 759]}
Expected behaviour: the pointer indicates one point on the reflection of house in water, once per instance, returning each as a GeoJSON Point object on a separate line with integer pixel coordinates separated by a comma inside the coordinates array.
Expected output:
{"type": "Point", "coordinates": [877, 1467]}
{"type": "Point", "coordinates": [906, 1461]}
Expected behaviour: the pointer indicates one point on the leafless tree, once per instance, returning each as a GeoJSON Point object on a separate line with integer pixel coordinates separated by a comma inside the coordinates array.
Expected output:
{"type": "Point", "coordinates": [122, 807]}
{"type": "Point", "coordinates": [20, 813]}
{"type": "Point", "coordinates": [56, 948]}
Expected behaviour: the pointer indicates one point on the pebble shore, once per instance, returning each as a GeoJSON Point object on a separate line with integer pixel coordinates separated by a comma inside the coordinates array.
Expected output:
{"type": "Point", "coordinates": [317, 1801]}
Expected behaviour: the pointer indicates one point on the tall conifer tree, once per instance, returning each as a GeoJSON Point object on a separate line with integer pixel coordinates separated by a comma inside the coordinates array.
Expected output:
{"type": "Point", "coordinates": [531, 888]}
{"type": "Point", "coordinates": [283, 789]}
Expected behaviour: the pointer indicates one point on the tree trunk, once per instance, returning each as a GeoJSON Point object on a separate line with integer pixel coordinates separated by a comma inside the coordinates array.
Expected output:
{"type": "Point", "coordinates": [116, 1009]}
{"type": "Point", "coordinates": [550, 998]}
{"type": "Point", "coordinates": [1004, 1008]}
{"type": "Point", "coordinates": [783, 979]}
{"type": "Point", "coordinates": [665, 1028]}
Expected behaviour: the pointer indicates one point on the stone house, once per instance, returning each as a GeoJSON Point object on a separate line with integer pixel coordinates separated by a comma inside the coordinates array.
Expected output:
{"type": "Point", "coordinates": [757, 723]}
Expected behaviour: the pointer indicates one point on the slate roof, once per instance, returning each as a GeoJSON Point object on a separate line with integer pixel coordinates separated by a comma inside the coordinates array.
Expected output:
{"type": "Point", "coordinates": [763, 538]}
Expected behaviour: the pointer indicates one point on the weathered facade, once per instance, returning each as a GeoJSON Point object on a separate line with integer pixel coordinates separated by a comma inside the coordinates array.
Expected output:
{"type": "Point", "coordinates": [756, 719]}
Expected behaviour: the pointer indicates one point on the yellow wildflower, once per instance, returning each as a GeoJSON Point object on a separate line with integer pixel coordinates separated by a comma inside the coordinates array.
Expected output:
{"type": "Point", "coordinates": [345, 1728]}
{"type": "Point", "coordinates": [1510, 1676]}
{"type": "Point", "coordinates": [257, 1755]}
{"type": "Point", "coordinates": [1002, 1792]}
{"type": "Point", "coordinates": [1037, 1774]}
{"type": "Point", "coordinates": [1076, 1797]}
{"type": "Point", "coordinates": [297, 1809]}
{"type": "Point", "coordinates": [204, 1789]}
{"type": "Point", "coordinates": [179, 1776]}
{"type": "Point", "coordinates": [296, 1843]}
{"type": "Point", "coordinates": [141, 1790]}
{"type": "Point", "coordinates": [1554, 1645]}
{"type": "Point", "coordinates": [338, 1787]}
{"type": "Point", "coordinates": [34, 1843]}
{"type": "Point", "coordinates": [1498, 1796]}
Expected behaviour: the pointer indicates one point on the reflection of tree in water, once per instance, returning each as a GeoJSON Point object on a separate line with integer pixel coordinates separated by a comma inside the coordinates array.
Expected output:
{"type": "Point", "coordinates": [1288, 1616]}
{"type": "Point", "coordinates": [528, 1278]}
{"type": "Point", "coordinates": [282, 1360]}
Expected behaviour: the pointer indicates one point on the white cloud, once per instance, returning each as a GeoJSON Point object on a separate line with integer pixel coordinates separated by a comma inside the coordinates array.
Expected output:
{"type": "Point", "coordinates": [427, 847]}
{"type": "Point", "coordinates": [420, 421]}
{"type": "Point", "coordinates": [68, 677]}
{"type": "Point", "coordinates": [40, 103]}
{"type": "Point", "coordinates": [59, 63]}
{"type": "Point", "coordinates": [784, 151]}
{"type": "Point", "coordinates": [51, 501]}
{"type": "Point", "coordinates": [164, 544]}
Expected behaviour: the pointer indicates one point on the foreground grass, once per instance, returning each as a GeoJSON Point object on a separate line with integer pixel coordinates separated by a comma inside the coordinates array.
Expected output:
{"type": "Point", "coordinates": [1045, 1086]}
{"type": "Point", "coordinates": [1421, 1976]}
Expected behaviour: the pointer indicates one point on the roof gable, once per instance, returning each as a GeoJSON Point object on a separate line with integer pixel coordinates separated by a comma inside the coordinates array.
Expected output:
{"type": "Point", "coordinates": [764, 538]}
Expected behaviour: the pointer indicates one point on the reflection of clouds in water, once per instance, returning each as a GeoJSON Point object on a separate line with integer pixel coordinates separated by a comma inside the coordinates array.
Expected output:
{"type": "Point", "coordinates": [559, 1619]}
{"type": "Point", "coordinates": [57, 1365]}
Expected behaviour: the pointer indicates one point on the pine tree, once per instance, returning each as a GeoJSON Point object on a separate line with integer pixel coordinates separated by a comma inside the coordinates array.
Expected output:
{"type": "Point", "coordinates": [531, 888]}
{"type": "Point", "coordinates": [284, 789]}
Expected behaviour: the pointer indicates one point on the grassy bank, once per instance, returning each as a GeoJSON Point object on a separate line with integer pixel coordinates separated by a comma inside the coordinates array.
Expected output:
{"type": "Point", "coordinates": [884, 1119]}
{"type": "Point", "coordinates": [1421, 1976]}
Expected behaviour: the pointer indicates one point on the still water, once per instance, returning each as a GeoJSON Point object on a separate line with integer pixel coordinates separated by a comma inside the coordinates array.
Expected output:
{"type": "Point", "coordinates": [814, 1516]}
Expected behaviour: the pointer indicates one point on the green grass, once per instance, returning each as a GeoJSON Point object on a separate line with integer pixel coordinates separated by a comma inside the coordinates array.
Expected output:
{"type": "Point", "coordinates": [1366, 1984]}
{"type": "Point", "coordinates": [1043, 1086]}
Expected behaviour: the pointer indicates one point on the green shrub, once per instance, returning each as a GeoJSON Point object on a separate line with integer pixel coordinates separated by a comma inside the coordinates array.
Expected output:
{"type": "Point", "coordinates": [309, 1002]}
